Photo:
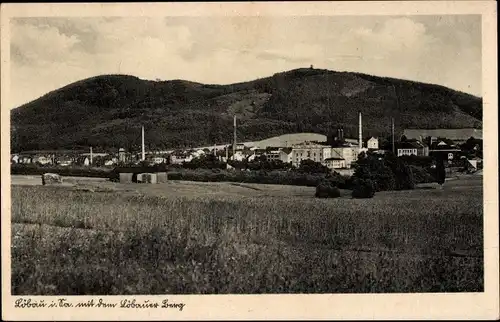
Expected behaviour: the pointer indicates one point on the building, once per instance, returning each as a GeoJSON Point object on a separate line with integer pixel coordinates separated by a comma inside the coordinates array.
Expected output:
{"type": "Point", "coordinates": [335, 163]}
{"type": "Point", "coordinates": [238, 156]}
{"type": "Point", "coordinates": [310, 151]}
{"type": "Point", "coordinates": [180, 157]}
{"type": "Point", "coordinates": [372, 143]}
{"type": "Point", "coordinates": [65, 161]}
{"type": "Point", "coordinates": [198, 153]}
{"type": "Point", "coordinates": [273, 154]}
{"type": "Point", "coordinates": [456, 135]}
{"type": "Point", "coordinates": [157, 160]}
{"type": "Point", "coordinates": [348, 152]}
{"type": "Point", "coordinates": [121, 155]}
{"type": "Point", "coordinates": [286, 155]}
{"type": "Point", "coordinates": [444, 149]}
{"type": "Point", "coordinates": [14, 158]}
{"type": "Point", "coordinates": [412, 147]}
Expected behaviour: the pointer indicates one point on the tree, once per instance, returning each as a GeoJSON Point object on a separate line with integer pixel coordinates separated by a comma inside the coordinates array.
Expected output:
{"type": "Point", "coordinates": [402, 172]}
{"type": "Point", "coordinates": [440, 172]}
{"type": "Point", "coordinates": [374, 168]}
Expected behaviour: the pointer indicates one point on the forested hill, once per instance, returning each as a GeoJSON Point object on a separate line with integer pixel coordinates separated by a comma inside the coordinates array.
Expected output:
{"type": "Point", "coordinates": [108, 111]}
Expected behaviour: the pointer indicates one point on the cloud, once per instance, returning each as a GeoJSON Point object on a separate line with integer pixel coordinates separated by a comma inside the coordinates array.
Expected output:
{"type": "Point", "coordinates": [295, 53]}
{"type": "Point", "coordinates": [48, 53]}
{"type": "Point", "coordinates": [40, 43]}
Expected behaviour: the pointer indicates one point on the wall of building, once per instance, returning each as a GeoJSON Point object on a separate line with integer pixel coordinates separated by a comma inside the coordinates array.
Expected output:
{"type": "Point", "coordinates": [349, 154]}
{"type": "Point", "coordinates": [314, 152]}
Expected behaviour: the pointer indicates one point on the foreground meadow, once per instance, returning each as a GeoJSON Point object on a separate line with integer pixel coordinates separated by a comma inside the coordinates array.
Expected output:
{"type": "Point", "coordinates": [67, 241]}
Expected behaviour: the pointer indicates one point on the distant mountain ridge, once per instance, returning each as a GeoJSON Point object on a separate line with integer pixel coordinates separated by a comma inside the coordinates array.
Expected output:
{"type": "Point", "coordinates": [108, 111]}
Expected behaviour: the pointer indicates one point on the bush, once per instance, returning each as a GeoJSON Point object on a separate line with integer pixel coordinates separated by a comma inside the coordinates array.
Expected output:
{"type": "Point", "coordinates": [402, 173]}
{"type": "Point", "coordinates": [326, 190]}
{"type": "Point", "coordinates": [421, 175]}
{"type": "Point", "coordinates": [71, 171]}
{"type": "Point", "coordinates": [363, 189]}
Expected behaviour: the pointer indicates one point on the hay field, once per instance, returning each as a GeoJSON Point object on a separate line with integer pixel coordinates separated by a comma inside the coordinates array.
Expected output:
{"type": "Point", "coordinates": [219, 238]}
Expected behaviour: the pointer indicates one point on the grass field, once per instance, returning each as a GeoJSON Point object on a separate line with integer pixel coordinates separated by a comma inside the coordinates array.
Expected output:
{"type": "Point", "coordinates": [206, 238]}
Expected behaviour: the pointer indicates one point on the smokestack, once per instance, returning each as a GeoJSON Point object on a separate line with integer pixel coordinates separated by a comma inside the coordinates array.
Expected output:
{"type": "Point", "coordinates": [91, 155]}
{"type": "Point", "coordinates": [143, 151]}
{"type": "Point", "coordinates": [360, 132]}
{"type": "Point", "coordinates": [234, 143]}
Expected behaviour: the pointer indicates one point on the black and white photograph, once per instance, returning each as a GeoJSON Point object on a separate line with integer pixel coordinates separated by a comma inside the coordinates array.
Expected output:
{"type": "Point", "coordinates": [259, 154]}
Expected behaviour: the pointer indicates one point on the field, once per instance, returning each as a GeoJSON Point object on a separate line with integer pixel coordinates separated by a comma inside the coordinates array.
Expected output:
{"type": "Point", "coordinates": [98, 237]}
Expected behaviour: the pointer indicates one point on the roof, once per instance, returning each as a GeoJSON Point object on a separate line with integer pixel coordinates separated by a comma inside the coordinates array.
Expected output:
{"type": "Point", "coordinates": [410, 144]}
{"type": "Point", "coordinates": [444, 144]}
{"type": "Point", "coordinates": [368, 138]}
{"type": "Point", "coordinates": [453, 134]}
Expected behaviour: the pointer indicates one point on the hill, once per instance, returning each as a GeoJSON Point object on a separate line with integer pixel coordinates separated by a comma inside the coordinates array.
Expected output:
{"type": "Point", "coordinates": [108, 111]}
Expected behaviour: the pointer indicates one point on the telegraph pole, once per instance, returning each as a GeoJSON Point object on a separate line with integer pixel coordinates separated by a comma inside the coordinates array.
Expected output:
{"type": "Point", "coordinates": [392, 126]}
{"type": "Point", "coordinates": [143, 148]}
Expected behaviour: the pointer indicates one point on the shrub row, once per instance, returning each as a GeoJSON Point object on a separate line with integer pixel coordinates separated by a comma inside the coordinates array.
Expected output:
{"type": "Point", "coordinates": [73, 171]}
{"type": "Point", "coordinates": [262, 176]}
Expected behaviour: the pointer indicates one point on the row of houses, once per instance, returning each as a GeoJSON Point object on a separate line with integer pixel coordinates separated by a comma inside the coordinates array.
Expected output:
{"type": "Point", "coordinates": [340, 156]}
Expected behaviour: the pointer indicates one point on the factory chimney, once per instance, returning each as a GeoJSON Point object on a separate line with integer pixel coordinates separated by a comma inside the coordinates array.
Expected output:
{"type": "Point", "coordinates": [143, 151]}
{"type": "Point", "coordinates": [234, 143]}
{"type": "Point", "coordinates": [360, 132]}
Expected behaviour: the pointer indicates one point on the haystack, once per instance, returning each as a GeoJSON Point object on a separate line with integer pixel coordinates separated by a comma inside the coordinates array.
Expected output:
{"type": "Point", "coordinates": [51, 178]}
{"type": "Point", "coordinates": [147, 178]}
{"type": "Point", "coordinates": [162, 177]}
{"type": "Point", "coordinates": [125, 177]}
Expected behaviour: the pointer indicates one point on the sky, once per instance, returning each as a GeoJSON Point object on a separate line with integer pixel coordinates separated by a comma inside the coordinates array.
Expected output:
{"type": "Point", "coordinates": [48, 53]}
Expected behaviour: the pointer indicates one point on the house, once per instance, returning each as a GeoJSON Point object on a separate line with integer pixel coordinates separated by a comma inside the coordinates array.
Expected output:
{"type": "Point", "coordinates": [157, 160]}
{"type": "Point", "coordinates": [180, 157]}
{"type": "Point", "coordinates": [255, 153]}
{"type": "Point", "coordinates": [347, 152]}
{"type": "Point", "coordinates": [122, 157]}
{"type": "Point", "coordinates": [310, 151]}
{"type": "Point", "coordinates": [444, 149]}
{"type": "Point", "coordinates": [335, 163]}
{"type": "Point", "coordinates": [42, 160]}
{"type": "Point", "coordinates": [411, 147]}
{"type": "Point", "coordinates": [372, 143]}
{"type": "Point", "coordinates": [14, 158]}
{"type": "Point", "coordinates": [286, 155]}
{"type": "Point", "coordinates": [198, 153]}
{"type": "Point", "coordinates": [65, 161]}
{"type": "Point", "coordinates": [238, 156]}
{"type": "Point", "coordinates": [25, 159]}
{"type": "Point", "coordinates": [272, 154]}
{"type": "Point", "coordinates": [456, 135]}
